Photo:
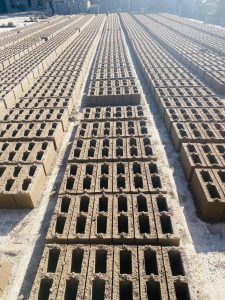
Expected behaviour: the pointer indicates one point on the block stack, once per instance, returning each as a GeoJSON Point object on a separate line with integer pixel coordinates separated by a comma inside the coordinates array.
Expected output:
{"type": "Point", "coordinates": [31, 133]}
{"type": "Point", "coordinates": [112, 233]}
{"type": "Point", "coordinates": [112, 78]}
{"type": "Point", "coordinates": [193, 114]}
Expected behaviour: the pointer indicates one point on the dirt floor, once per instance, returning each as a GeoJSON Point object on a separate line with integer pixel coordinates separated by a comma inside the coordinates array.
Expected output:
{"type": "Point", "coordinates": [22, 232]}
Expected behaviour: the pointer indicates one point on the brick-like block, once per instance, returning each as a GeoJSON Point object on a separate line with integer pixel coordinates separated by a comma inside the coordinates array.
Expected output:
{"type": "Point", "coordinates": [71, 178]}
{"type": "Point", "coordinates": [144, 221]}
{"type": "Point", "coordinates": [100, 273]}
{"type": "Point", "coordinates": [46, 282]}
{"type": "Point", "coordinates": [80, 226]}
{"type": "Point", "coordinates": [104, 177]}
{"type": "Point", "coordinates": [125, 273]}
{"type": "Point", "coordinates": [102, 219]}
{"type": "Point", "coordinates": [123, 224]}
{"type": "Point", "coordinates": [177, 283]}
{"type": "Point", "coordinates": [208, 195]}
{"type": "Point", "coordinates": [151, 273]}
{"type": "Point", "coordinates": [73, 279]}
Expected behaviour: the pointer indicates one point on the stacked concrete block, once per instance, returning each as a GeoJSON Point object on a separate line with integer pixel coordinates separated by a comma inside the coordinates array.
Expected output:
{"type": "Point", "coordinates": [193, 115]}
{"type": "Point", "coordinates": [32, 132]}
{"type": "Point", "coordinates": [113, 79]}
{"type": "Point", "coordinates": [48, 276]}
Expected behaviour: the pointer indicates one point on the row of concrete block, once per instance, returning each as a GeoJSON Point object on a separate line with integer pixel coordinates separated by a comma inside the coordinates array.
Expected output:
{"type": "Point", "coordinates": [106, 86]}
{"type": "Point", "coordinates": [113, 149]}
{"type": "Point", "coordinates": [100, 129]}
{"type": "Point", "coordinates": [29, 68]}
{"type": "Point", "coordinates": [203, 164]}
{"type": "Point", "coordinates": [189, 102]}
{"type": "Point", "coordinates": [208, 28]}
{"type": "Point", "coordinates": [206, 40]}
{"type": "Point", "coordinates": [18, 50]}
{"type": "Point", "coordinates": [12, 37]}
{"type": "Point", "coordinates": [113, 219]}
{"type": "Point", "coordinates": [114, 177]}
{"type": "Point", "coordinates": [113, 113]}
{"type": "Point", "coordinates": [111, 272]}
{"type": "Point", "coordinates": [32, 152]}
{"type": "Point", "coordinates": [190, 54]}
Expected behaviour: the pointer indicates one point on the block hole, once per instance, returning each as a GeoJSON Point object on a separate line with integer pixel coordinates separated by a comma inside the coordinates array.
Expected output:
{"type": "Point", "coordinates": [123, 224]}
{"type": "Point", "coordinates": [104, 182]}
{"type": "Point", "coordinates": [65, 204]}
{"type": "Point", "coordinates": [45, 286]}
{"type": "Point", "coordinates": [146, 141]}
{"type": "Point", "coordinates": [156, 182]}
{"type": "Point", "coordinates": [100, 261]}
{"type": "Point", "coordinates": [9, 184]}
{"type": "Point", "coordinates": [119, 143]}
{"type": "Point", "coordinates": [60, 224]}
{"type": "Point", "coordinates": [126, 290]}
{"type": "Point", "coordinates": [196, 158]}
{"type": "Point", "coordinates": [70, 183]}
{"type": "Point", "coordinates": [121, 182]}
{"type": "Point", "coordinates": [32, 170]}
{"type": "Point", "coordinates": [98, 289]}
{"type": "Point", "coordinates": [39, 155]}
{"type": "Point", "coordinates": [125, 262]}
{"type": "Point", "coordinates": [101, 224]}
{"type": "Point", "coordinates": [103, 204]}
{"type": "Point", "coordinates": [73, 170]}
{"type": "Point", "coordinates": [136, 168]}
{"type": "Point", "coordinates": [106, 143]}
{"type": "Point", "coordinates": [71, 289]}
{"type": "Point", "coordinates": [89, 169]}
{"type": "Point", "coordinates": [122, 203]}
{"type": "Point", "coordinates": [119, 152]}
{"type": "Point", "coordinates": [150, 261]}
{"type": "Point", "coordinates": [81, 224]}
{"type": "Point", "coordinates": [138, 182]}
{"type": "Point", "coordinates": [105, 152]}
{"type": "Point", "coordinates": [214, 194]}
{"type": "Point", "coordinates": [133, 142]}
{"type": "Point", "coordinates": [182, 291]}
{"type": "Point", "coordinates": [176, 263]}
{"type": "Point", "coordinates": [104, 169]}
{"type": "Point", "coordinates": [87, 183]}
{"type": "Point", "coordinates": [84, 203]}
{"type": "Point", "coordinates": [11, 155]}
{"type": "Point", "coordinates": [162, 203]}
{"type": "Point", "coordinates": [76, 152]}
{"type": "Point", "coordinates": [166, 224]}
{"type": "Point", "coordinates": [25, 185]}
{"type": "Point", "coordinates": [77, 259]}
{"type": "Point", "coordinates": [142, 203]}
{"type": "Point", "coordinates": [144, 224]}
{"type": "Point", "coordinates": [148, 150]}
{"type": "Point", "coordinates": [53, 257]}
{"type": "Point", "coordinates": [153, 290]}
{"type": "Point", "coordinates": [153, 169]}
{"type": "Point", "coordinates": [206, 176]}
{"type": "Point", "coordinates": [16, 171]}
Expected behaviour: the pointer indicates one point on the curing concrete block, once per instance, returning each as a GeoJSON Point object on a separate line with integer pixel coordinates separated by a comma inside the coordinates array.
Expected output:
{"type": "Point", "coordinates": [104, 178]}
{"type": "Point", "coordinates": [125, 273]}
{"type": "Point", "coordinates": [46, 282]}
{"type": "Point", "coordinates": [87, 179]}
{"type": "Point", "coordinates": [166, 225]}
{"type": "Point", "coordinates": [73, 279]}
{"type": "Point", "coordinates": [80, 228]}
{"type": "Point", "coordinates": [121, 179]}
{"type": "Point", "coordinates": [177, 283]}
{"type": "Point", "coordinates": [100, 273]}
{"type": "Point", "coordinates": [208, 195]}
{"type": "Point", "coordinates": [151, 273]}
{"type": "Point", "coordinates": [123, 228]}
{"type": "Point", "coordinates": [144, 222]}
{"type": "Point", "coordinates": [191, 158]}
{"type": "Point", "coordinates": [71, 178]}
{"type": "Point", "coordinates": [138, 179]}
{"type": "Point", "coordinates": [102, 219]}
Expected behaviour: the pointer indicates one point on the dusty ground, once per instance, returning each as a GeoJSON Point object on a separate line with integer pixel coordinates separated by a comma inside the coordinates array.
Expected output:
{"type": "Point", "coordinates": [22, 232]}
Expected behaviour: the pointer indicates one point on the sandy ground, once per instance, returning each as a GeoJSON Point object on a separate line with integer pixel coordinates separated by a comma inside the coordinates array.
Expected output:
{"type": "Point", "coordinates": [22, 232]}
